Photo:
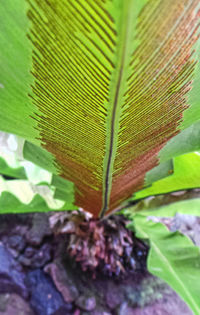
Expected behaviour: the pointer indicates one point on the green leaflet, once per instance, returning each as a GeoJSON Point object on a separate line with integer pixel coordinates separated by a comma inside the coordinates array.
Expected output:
{"type": "Point", "coordinates": [186, 176]}
{"type": "Point", "coordinates": [173, 258]}
{"type": "Point", "coordinates": [101, 85]}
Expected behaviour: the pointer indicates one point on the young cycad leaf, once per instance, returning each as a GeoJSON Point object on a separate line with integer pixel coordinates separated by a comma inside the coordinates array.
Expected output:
{"type": "Point", "coordinates": [101, 84]}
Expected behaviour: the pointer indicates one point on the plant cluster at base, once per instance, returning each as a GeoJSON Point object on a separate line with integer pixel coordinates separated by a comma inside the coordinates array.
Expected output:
{"type": "Point", "coordinates": [105, 246]}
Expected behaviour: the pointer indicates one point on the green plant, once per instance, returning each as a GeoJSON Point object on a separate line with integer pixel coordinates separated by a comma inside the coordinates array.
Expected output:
{"type": "Point", "coordinates": [106, 93]}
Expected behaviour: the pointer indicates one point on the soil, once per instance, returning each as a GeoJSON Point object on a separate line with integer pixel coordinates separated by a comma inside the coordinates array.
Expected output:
{"type": "Point", "coordinates": [38, 277]}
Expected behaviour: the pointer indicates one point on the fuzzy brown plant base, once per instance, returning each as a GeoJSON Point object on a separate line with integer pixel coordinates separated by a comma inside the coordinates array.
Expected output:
{"type": "Point", "coordinates": [101, 246]}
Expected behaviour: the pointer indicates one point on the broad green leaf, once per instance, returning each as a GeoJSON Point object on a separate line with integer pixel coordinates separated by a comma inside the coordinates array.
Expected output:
{"type": "Point", "coordinates": [191, 115]}
{"type": "Point", "coordinates": [158, 208]}
{"type": "Point", "coordinates": [172, 257]}
{"type": "Point", "coordinates": [64, 189]}
{"type": "Point", "coordinates": [39, 156]}
{"type": "Point", "coordinates": [36, 175]}
{"type": "Point", "coordinates": [190, 206]}
{"type": "Point", "coordinates": [186, 176]}
{"type": "Point", "coordinates": [185, 142]}
{"type": "Point", "coordinates": [9, 161]}
{"type": "Point", "coordinates": [162, 170]}
{"type": "Point", "coordinates": [5, 169]}
{"type": "Point", "coordinates": [10, 204]}
{"type": "Point", "coordinates": [25, 191]}
{"type": "Point", "coordinates": [61, 188]}
{"type": "Point", "coordinates": [101, 85]}
{"type": "Point", "coordinates": [26, 196]}
{"type": "Point", "coordinates": [12, 163]}
{"type": "Point", "coordinates": [15, 77]}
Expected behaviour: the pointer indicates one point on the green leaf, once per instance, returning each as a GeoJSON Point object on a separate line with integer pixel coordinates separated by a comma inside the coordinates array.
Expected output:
{"type": "Point", "coordinates": [13, 164]}
{"type": "Point", "coordinates": [5, 169]}
{"type": "Point", "coordinates": [25, 195]}
{"type": "Point", "coordinates": [15, 79]}
{"type": "Point", "coordinates": [64, 189]}
{"type": "Point", "coordinates": [39, 156]}
{"type": "Point", "coordinates": [161, 171]}
{"type": "Point", "coordinates": [185, 142]}
{"type": "Point", "coordinates": [190, 206]}
{"type": "Point", "coordinates": [61, 188]}
{"type": "Point", "coordinates": [172, 257]}
{"type": "Point", "coordinates": [186, 176]}
{"type": "Point", "coordinates": [25, 191]}
{"type": "Point", "coordinates": [10, 204]}
{"type": "Point", "coordinates": [36, 175]}
{"type": "Point", "coordinates": [191, 115]}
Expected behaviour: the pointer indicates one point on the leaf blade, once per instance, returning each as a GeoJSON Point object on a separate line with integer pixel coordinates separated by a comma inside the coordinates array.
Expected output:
{"type": "Point", "coordinates": [172, 257]}
{"type": "Point", "coordinates": [185, 176]}
{"type": "Point", "coordinates": [15, 80]}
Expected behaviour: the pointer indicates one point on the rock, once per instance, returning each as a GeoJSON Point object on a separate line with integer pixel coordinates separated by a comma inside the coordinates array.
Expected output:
{"type": "Point", "coordinates": [101, 311]}
{"type": "Point", "coordinates": [16, 242]}
{"type": "Point", "coordinates": [11, 278]}
{"type": "Point", "coordinates": [170, 304]}
{"type": "Point", "coordinates": [24, 261]}
{"type": "Point", "coordinates": [42, 257]}
{"type": "Point", "coordinates": [13, 304]}
{"type": "Point", "coordinates": [173, 305]}
{"type": "Point", "coordinates": [65, 310]}
{"type": "Point", "coordinates": [40, 228]}
{"type": "Point", "coordinates": [4, 298]}
{"type": "Point", "coordinates": [125, 309]}
{"type": "Point", "coordinates": [45, 299]}
{"type": "Point", "coordinates": [187, 224]}
{"type": "Point", "coordinates": [114, 296]}
{"type": "Point", "coordinates": [29, 252]}
{"type": "Point", "coordinates": [36, 258]}
{"type": "Point", "coordinates": [63, 281]}
{"type": "Point", "coordinates": [86, 303]}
